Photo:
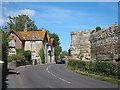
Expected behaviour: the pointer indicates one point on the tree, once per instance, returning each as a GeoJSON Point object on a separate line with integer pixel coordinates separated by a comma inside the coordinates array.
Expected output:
{"type": "Point", "coordinates": [4, 48]}
{"type": "Point", "coordinates": [58, 49]}
{"type": "Point", "coordinates": [18, 23]}
{"type": "Point", "coordinates": [98, 28]}
{"type": "Point", "coordinates": [56, 39]}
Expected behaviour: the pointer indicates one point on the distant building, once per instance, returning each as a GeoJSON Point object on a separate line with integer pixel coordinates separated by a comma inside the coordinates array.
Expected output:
{"type": "Point", "coordinates": [33, 41]}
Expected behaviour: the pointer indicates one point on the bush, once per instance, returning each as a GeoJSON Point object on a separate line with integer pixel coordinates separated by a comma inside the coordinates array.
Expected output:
{"type": "Point", "coordinates": [80, 56]}
{"type": "Point", "coordinates": [105, 68]}
{"type": "Point", "coordinates": [42, 55]}
{"type": "Point", "coordinates": [24, 55]}
{"type": "Point", "coordinates": [27, 55]}
{"type": "Point", "coordinates": [9, 59]}
{"type": "Point", "coordinates": [18, 57]}
{"type": "Point", "coordinates": [19, 51]}
{"type": "Point", "coordinates": [77, 64]}
{"type": "Point", "coordinates": [98, 28]}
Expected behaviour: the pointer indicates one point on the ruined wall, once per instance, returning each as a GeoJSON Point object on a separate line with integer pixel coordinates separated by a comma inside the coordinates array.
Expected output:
{"type": "Point", "coordinates": [105, 44]}
{"type": "Point", "coordinates": [80, 44]}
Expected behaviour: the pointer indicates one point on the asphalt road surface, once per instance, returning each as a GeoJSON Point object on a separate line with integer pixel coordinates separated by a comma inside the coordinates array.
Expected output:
{"type": "Point", "coordinates": [52, 76]}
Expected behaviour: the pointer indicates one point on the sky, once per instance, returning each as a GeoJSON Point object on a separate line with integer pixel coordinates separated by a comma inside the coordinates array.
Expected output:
{"type": "Point", "coordinates": [63, 18]}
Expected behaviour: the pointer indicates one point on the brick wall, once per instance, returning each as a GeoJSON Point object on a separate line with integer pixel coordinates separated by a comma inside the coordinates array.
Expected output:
{"type": "Point", "coordinates": [18, 41]}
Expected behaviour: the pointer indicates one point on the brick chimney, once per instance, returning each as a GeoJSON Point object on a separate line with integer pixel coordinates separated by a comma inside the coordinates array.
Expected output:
{"type": "Point", "coordinates": [43, 29]}
{"type": "Point", "coordinates": [26, 27]}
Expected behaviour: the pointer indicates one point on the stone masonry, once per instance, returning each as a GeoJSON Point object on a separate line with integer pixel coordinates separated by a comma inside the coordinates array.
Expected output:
{"type": "Point", "coordinates": [80, 43]}
{"type": "Point", "coordinates": [105, 44]}
{"type": "Point", "coordinates": [101, 45]}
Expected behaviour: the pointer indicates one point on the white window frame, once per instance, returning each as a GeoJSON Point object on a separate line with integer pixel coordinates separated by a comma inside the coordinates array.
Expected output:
{"type": "Point", "coordinates": [32, 43]}
{"type": "Point", "coordinates": [33, 54]}
{"type": "Point", "coordinates": [12, 53]}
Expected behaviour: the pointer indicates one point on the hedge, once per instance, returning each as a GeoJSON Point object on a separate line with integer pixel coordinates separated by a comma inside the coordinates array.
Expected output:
{"type": "Point", "coordinates": [106, 68]}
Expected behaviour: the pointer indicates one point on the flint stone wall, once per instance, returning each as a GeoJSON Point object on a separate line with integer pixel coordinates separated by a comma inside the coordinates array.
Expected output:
{"type": "Point", "coordinates": [105, 44]}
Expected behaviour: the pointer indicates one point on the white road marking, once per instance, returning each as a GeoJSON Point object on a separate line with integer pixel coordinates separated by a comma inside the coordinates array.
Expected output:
{"type": "Point", "coordinates": [56, 76]}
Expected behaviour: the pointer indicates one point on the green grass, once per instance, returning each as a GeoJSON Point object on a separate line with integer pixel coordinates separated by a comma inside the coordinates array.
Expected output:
{"type": "Point", "coordinates": [102, 78]}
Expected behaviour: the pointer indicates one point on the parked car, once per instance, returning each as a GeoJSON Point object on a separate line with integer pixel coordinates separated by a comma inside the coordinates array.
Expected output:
{"type": "Point", "coordinates": [60, 61]}
{"type": "Point", "coordinates": [63, 60]}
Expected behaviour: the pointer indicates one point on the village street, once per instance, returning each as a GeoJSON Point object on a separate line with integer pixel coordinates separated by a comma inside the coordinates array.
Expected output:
{"type": "Point", "coordinates": [51, 76]}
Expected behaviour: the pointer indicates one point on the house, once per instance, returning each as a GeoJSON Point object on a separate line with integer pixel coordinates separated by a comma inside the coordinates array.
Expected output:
{"type": "Point", "coordinates": [33, 41]}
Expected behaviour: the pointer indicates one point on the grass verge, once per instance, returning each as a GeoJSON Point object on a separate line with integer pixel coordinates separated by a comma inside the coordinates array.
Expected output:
{"type": "Point", "coordinates": [99, 77]}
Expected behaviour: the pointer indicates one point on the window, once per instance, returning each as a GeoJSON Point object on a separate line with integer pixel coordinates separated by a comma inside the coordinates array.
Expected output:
{"type": "Point", "coordinates": [12, 53]}
{"type": "Point", "coordinates": [11, 34]}
{"type": "Point", "coordinates": [33, 54]}
{"type": "Point", "coordinates": [12, 43]}
{"type": "Point", "coordinates": [49, 48]}
{"type": "Point", "coordinates": [32, 43]}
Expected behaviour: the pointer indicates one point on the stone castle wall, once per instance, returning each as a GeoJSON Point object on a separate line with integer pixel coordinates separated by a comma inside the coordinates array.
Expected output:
{"type": "Point", "coordinates": [80, 44]}
{"type": "Point", "coordinates": [101, 45]}
{"type": "Point", "coordinates": [105, 44]}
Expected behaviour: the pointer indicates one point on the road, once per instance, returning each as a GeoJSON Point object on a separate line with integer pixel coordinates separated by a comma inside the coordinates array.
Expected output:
{"type": "Point", "coordinates": [52, 76]}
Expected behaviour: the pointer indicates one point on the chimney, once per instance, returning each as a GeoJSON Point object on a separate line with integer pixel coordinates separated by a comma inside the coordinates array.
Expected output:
{"type": "Point", "coordinates": [26, 27]}
{"type": "Point", "coordinates": [43, 29]}
{"type": "Point", "coordinates": [9, 25]}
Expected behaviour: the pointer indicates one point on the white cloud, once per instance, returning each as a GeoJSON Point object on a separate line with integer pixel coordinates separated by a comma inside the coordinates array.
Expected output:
{"type": "Point", "coordinates": [6, 13]}
{"type": "Point", "coordinates": [3, 21]}
{"type": "Point", "coordinates": [28, 12]}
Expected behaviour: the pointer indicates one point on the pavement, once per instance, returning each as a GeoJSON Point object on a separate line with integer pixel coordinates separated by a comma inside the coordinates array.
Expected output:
{"type": "Point", "coordinates": [51, 76]}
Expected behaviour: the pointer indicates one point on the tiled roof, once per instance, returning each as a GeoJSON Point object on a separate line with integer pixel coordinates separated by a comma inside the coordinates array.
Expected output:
{"type": "Point", "coordinates": [30, 35]}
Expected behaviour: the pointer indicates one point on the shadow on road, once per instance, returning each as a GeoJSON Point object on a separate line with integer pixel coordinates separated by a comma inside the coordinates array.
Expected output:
{"type": "Point", "coordinates": [11, 71]}
{"type": "Point", "coordinates": [5, 73]}
{"type": "Point", "coordinates": [4, 79]}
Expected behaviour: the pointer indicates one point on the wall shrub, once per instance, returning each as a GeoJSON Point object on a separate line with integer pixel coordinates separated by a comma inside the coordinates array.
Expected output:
{"type": "Point", "coordinates": [27, 55]}
{"type": "Point", "coordinates": [42, 55]}
{"type": "Point", "coordinates": [19, 51]}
